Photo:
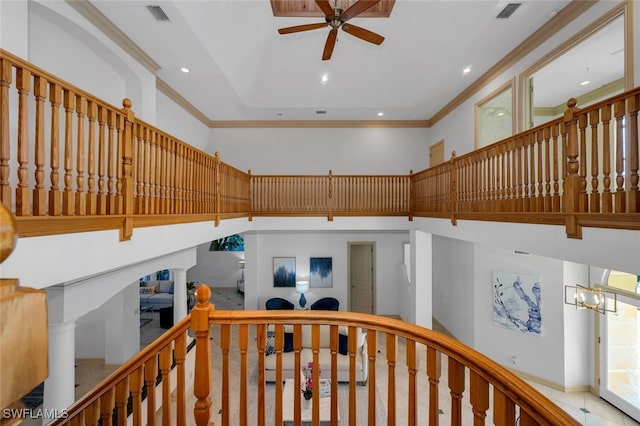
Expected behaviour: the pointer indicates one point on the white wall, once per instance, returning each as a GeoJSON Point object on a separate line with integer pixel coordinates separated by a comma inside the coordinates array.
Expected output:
{"type": "Point", "coordinates": [303, 245]}
{"type": "Point", "coordinates": [184, 126]}
{"type": "Point", "coordinates": [541, 356]}
{"type": "Point", "coordinates": [316, 151]}
{"type": "Point", "coordinates": [216, 268]}
{"type": "Point", "coordinates": [453, 289]}
{"type": "Point", "coordinates": [89, 335]}
{"type": "Point", "coordinates": [578, 332]}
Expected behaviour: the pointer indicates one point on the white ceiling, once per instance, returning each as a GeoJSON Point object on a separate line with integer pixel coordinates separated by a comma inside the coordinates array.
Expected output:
{"type": "Point", "coordinates": [242, 69]}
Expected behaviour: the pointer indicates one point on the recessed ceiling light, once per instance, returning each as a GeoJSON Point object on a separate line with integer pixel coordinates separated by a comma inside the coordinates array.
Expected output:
{"type": "Point", "coordinates": [279, 114]}
{"type": "Point", "coordinates": [584, 83]}
{"type": "Point", "coordinates": [500, 114]}
{"type": "Point", "coordinates": [380, 114]}
{"type": "Point", "coordinates": [325, 77]}
{"type": "Point", "coordinates": [467, 70]}
{"type": "Point", "coordinates": [184, 69]}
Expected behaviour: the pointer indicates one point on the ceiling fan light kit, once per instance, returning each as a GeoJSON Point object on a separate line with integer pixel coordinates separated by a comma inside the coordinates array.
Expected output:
{"type": "Point", "coordinates": [337, 18]}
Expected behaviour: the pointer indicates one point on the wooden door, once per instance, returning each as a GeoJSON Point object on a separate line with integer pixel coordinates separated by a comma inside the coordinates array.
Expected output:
{"type": "Point", "coordinates": [361, 277]}
{"type": "Point", "coordinates": [436, 153]}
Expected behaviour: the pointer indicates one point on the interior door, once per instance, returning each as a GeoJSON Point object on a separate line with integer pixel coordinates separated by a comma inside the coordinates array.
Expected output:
{"type": "Point", "coordinates": [361, 277]}
{"type": "Point", "coordinates": [436, 153]}
{"type": "Point", "coordinates": [620, 356]}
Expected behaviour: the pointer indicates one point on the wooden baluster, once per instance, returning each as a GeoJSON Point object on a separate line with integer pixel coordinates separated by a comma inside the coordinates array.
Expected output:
{"type": "Point", "coordinates": [390, 341]}
{"type": "Point", "coordinates": [555, 198]}
{"type": "Point", "coordinates": [81, 195]}
{"type": "Point", "coordinates": [411, 391]}
{"type": "Point", "coordinates": [225, 340]}
{"type": "Point", "coordinates": [119, 198]}
{"type": "Point", "coordinates": [202, 381]}
{"type": "Point", "coordinates": [526, 200]}
{"type": "Point", "coordinates": [164, 172]}
{"type": "Point", "coordinates": [102, 163]}
{"type": "Point", "coordinates": [139, 169]}
{"type": "Point", "coordinates": [504, 410]}
{"type": "Point", "coordinates": [633, 196]}
{"type": "Point", "coordinates": [107, 403]}
{"type": "Point", "coordinates": [92, 199]}
{"type": "Point", "coordinates": [171, 176]}
{"type": "Point", "coordinates": [607, 199]}
{"type": "Point", "coordinates": [352, 346]}
{"type": "Point", "coordinates": [620, 196]}
{"type": "Point", "coordinates": [518, 177]}
{"type": "Point", "coordinates": [454, 169]}
{"type": "Point", "coordinates": [156, 161]}
{"type": "Point", "coordinates": [147, 167]}
{"type": "Point", "coordinates": [39, 194]}
{"type": "Point", "coordinates": [594, 197]}
{"type": "Point", "coordinates": [334, 342]}
{"type": "Point", "coordinates": [261, 342]}
{"type": "Point", "coordinates": [6, 78]}
{"type": "Point", "coordinates": [526, 419]}
{"type": "Point", "coordinates": [180, 354]}
{"type": "Point", "coordinates": [136, 381]}
{"type": "Point", "coordinates": [434, 370]}
{"type": "Point", "coordinates": [55, 99]}
{"type": "Point", "coordinates": [92, 414]}
{"type": "Point", "coordinates": [127, 167]}
{"type": "Point", "coordinates": [150, 374]}
{"type": "Point", "coordinates": [372, 345]}
{"type": "Point", "coordinates": [583, 197]}
{"type": "Point", "coordinates": [165, 370]}
{"type": "Point", "coordinates": [315, 349]}
{"type": "Point", "coordinates": [23, 84]}
{"type": "Point", "coordinates": [533, 195]}
{"type": "Point", "coordinates": [479, 396]}
{"type": "Point", "coordinates": [279, 341]}
{"type": "Point", "coordinates": [540, 171]}
{"type": "Point", "coordinates": [456, 389]}
{"type": "Point", "coordinates": [243, 344]}
{"type": "Point", "coordinates": [218, 208]}
{"type": "Point", "coordinates": [572, 180]}
{"type": "Point", "coordinates": [179, 178]}
{"type": "Point", "coordinates": [297, 379]}
{"type": "Point", "coordinates": [547, 171]}
{"type": "Point", "coordinates": [121, 399]}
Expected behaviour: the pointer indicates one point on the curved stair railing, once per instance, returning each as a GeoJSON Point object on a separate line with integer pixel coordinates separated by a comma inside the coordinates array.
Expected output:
{"type": "Point", "coordinates": [495, 395]}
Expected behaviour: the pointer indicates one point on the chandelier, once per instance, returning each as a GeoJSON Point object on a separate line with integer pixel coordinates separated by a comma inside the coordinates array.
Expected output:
{"type": "Point", "coordinates": [595, 299]}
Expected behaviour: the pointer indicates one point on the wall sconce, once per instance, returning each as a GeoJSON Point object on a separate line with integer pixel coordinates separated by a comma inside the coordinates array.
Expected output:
{"type": "Point", "coordinates": [590, 298]}
{"type": "Point", "coordinates": [302, 287]}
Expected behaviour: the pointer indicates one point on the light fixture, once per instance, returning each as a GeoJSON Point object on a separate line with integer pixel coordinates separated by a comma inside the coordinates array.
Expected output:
{"type": "Point", "coordinates": [584, 83]}
{"type": "Point", "coordinates": [325, 77]}
{"type": "Point", "coordinates": [590, 298]}
{"type": "Point", "coordinates": [302, 287]}
{"type": "Point", "coordinates": [467, 70]}
{"type": "Point", "coordinates": [380, 114]}
{"type": "Point", "coordinates": [184, 69]}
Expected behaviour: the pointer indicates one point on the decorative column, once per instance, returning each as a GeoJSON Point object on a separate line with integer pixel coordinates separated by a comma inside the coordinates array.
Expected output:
{"type": "Point", "coordinates": [179, 294]}
{"type": "Point", "coordinates": [59, 387]}
{"type": "Point", "coordinates": [421, 278]}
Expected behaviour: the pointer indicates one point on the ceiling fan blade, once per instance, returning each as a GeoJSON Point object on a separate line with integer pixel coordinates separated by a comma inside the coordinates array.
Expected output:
{"type": "Point", "coordinates": [299, 28]}
{"type": "Point", "coordinates": [362, 33]}
{"type": "Point", "coordinates": [330, 44]}
{"type": "Point", "coordinates": [356, 9]}
{"type": "Point", "coordinates": [326, 7]}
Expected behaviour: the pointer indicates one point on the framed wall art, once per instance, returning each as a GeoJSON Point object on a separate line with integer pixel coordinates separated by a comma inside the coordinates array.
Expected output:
{"type": "Point", "coordinates": [284, 271]}
{"type": "Point", "coordinates": [321, 272]}
{"type": "Point", "coordinates": [516, 302]}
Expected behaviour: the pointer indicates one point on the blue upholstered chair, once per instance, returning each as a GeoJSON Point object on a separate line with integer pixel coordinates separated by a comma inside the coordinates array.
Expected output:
{"type": "Point", "coordinates": [326, 304]}
{"type": "Point", "coordinates": [278, 303]}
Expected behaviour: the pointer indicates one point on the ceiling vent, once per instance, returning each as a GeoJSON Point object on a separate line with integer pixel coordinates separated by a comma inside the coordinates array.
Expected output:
{"type": "Point", "coordinates": [158, 13]}
{"type": "Point", "coordinates": [321, 112]}
{"type": "Point", "coordinates": [508, 10]}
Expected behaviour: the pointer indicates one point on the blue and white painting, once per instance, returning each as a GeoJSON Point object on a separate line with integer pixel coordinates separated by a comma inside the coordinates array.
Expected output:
{"type": "Point", "coordinates": [516, 302]}
{"type": "Point", "coordinates": [321, 272]}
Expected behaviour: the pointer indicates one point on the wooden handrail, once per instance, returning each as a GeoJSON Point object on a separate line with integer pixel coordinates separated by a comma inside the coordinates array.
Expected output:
{"type": "Point", "coordinates": [96, 167]}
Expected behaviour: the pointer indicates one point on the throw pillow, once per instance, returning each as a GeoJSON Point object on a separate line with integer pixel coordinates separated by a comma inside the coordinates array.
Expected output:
{"type": "Point", "coordinates": [271, 343]}
{"type": "Point", "coordinates": [288, 342]}
{"type": "Point", "coordinates": [343, 344]}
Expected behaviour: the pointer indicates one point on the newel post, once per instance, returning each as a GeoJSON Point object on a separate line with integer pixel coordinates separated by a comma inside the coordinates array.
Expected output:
{"type": "Point", "coordinates": [127, 171]}
{"type": "Point", "coordinates": [202, 379]}
{"type": "Point", "coordinates": [453, 190]}
{"type": "Point", "coordinates": [572, 184]}
{"type": "Point", "coordinates": [217, 187]}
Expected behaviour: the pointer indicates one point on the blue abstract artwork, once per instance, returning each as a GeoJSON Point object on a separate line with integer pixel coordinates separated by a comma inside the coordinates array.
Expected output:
{"type": "Point", "coordinates": [516, 302]}
{"type": "Point", "coordinates": [284, 271]}
{"type": "Point", "coordinates": [321, 272]}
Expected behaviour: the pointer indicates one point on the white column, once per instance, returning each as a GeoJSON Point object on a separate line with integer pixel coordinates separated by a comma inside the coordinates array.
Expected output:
{"type": "Point", "coordinates": [179, 294]}
{"type": "Point", "coordinates": [422, 278]}
{"type": "Point", "coordinates": [59, 387]}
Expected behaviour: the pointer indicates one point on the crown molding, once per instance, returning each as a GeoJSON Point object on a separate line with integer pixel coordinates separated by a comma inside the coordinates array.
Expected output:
{"type": "Point", "coordinates": [100, 21]}
{"type": "Point", "coordinates": [321, 124]}
{"type": "Point", "coordinates": [550, 28]}
{"type": "Point", "coordinates": [599, 93]}
{"type": "Point", "coordinates": [163, 87]}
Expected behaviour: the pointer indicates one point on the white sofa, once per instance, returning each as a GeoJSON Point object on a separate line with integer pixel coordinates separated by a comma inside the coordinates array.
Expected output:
{"type": "Point", "coordinates": [158, 294]}
{"type": "Point", "coordinates": [306, 354]}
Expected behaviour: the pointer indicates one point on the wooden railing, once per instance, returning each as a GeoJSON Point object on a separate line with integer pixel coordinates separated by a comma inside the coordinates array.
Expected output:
{"type": "Point", "coordinates": [425, 352]}
{"type": "Point", "coordinates": [70, 162]}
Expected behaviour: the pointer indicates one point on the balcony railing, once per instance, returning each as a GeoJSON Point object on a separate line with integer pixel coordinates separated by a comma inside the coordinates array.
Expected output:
{"type": "Point", "coordinates": [494, 394]}
{"type": "Point", "coordinates": [70, 162]}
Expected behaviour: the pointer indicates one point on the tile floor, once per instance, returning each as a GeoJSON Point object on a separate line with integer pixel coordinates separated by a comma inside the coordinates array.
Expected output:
{"type": "Point", "coordinates": [585, 407]}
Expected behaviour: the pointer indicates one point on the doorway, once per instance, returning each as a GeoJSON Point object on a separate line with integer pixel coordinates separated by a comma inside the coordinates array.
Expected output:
{"type": "Point", "coordinates": [620, 345]}
{"type": "Point", "coordinates": [362, 277]}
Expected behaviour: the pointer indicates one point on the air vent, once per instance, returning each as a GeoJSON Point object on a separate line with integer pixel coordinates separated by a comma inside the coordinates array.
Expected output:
{"type": "Point", "coordinates": [508, 10]}
{"type": "Point", "coordinates": [321, 112]}
{"type": "Point", "coordinates": [158, 13]}
{"type": "Point", "coordinates": [521, 253]}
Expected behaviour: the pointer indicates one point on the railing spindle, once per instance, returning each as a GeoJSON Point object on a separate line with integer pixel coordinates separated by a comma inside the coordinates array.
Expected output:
{"type": "Point", "coordinates": [136, 382]}
{"type": "Point", "coordinates": [243, 343]}
{"type": "Point", "coordinates": [150, 374]}
{"type": "Point", "coordinates": [23, 85]}
{"type": "Point", "coordinates": [504, 410]}
{"type": "Point", "coordinates": [225, 340]}
{"type": "Point", "coordinates": [165, 368]}
{"type": "Point", "coordinates": [6, 78]}
{"type": "Point", "coordinates": [456, 372]}
{"type": "Point", "coordinates": [582, 156]}
{"type": "Point", "coordinates": [107, 404]}
{"type": "Point", "coordinates": [390, 342]}
{"type": "Point", "coordinates": [92, 199]}
{"type": "Point", "coordinates": [39, 194]}
{"type": "Point", "coordinates": [102, 161]}
{"type": "Point", "coordinates": [634, 197]}
{"type": "Point", "coordinates": [620, 195]}
{"type": "Point", "coordinates": [434, 370]}
{"type": "Point", "coordinates": [372, 345]}
{"type": "Point", "coordinates": [180, 354]}
{"type": "Point", "coordinates": [81, 195]}
{"type": "Point", "coordinates": [412, 369]}
{"type": "Point", "coordinates": [479, 396]}
{"type": "Point", "coordinates": [594, 196]}
{"type": "Point", "coordinates": [121, 399]}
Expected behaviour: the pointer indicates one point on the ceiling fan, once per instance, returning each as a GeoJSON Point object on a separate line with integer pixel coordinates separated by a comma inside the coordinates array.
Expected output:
{"type": "Point", "coordinates": [336, 18]}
